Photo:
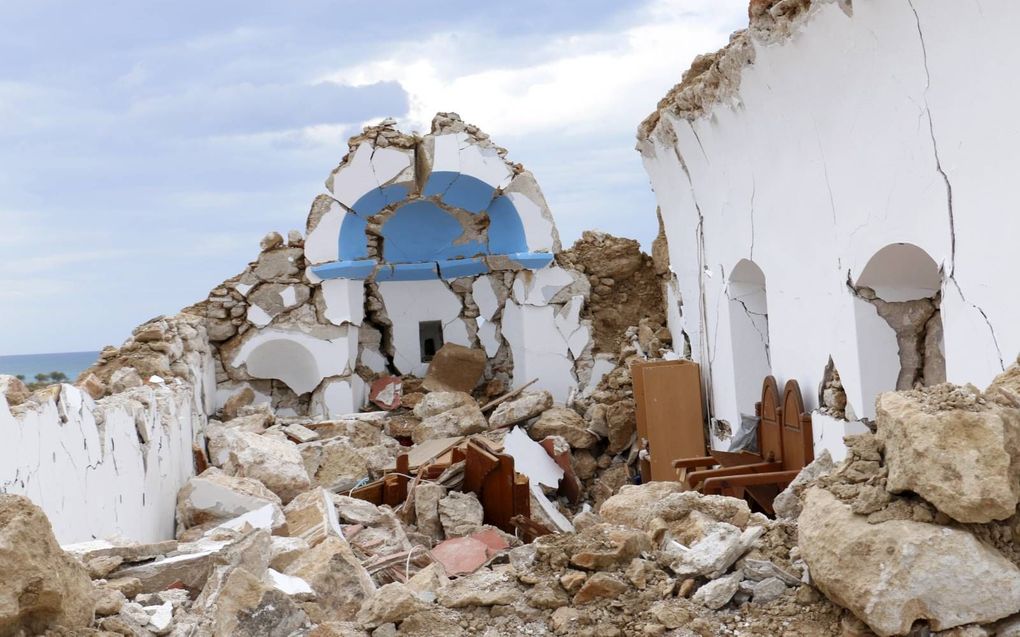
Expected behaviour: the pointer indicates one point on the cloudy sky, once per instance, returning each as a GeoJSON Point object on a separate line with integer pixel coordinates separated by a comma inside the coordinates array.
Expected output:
{"type": "Point", "coordinates": [146, 147]}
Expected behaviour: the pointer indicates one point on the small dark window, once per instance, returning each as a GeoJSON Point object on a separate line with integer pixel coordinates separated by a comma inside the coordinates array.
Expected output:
{"type": "Point", "coordinates": [430, 337]}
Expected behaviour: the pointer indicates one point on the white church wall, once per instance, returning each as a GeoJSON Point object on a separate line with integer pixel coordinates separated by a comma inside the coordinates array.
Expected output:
{"type": "Point", "coordinates": [810, 186]}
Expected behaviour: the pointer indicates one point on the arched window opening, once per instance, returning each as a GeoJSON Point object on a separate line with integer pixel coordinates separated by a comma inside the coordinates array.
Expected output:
{"type": "Point", "coordinates": [899, 322]}
{"type": "Point", "coordinates": [749, 335]}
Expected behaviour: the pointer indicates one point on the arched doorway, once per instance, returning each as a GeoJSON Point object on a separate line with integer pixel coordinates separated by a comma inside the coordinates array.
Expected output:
{"type": "Point", "coordinates": [899, 323]}
{"type": "Point", "coordinates": [749, 334]}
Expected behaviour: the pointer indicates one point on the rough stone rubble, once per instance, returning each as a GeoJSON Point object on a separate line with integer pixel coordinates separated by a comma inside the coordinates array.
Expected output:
{"type": "Point", "coordinates": [914, 533]}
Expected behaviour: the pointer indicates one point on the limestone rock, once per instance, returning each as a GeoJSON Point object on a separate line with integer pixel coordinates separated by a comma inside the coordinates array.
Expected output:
{"type": "Point", "coordinates": [437, 402]}
{"type": "Point", "coordinates": [459, 421]}
{"type": "Point", "coordinates": [312, 516]}
{"type": "Point", "coordinates": [719, 592]}
{"type": "Point", "coordinates": [768, 589]}
{"type": "Point", "coordinates": [191, 569]}
{"type": "Point", "coordinates": [214, 496]}
{"type": "Point", "coordinates": [339, 580]}
{"type": "Point", "coordinates": [248, 607]}
{"type": "Point", "coordinates": [277, 464]}
{"type": "Point", "coordinates": [560, 421]}
{"type": "Point", "coordinates": [787, 504]}
{"type": "Point", "coordinates": [483, 588]}
{"type": "Point", "coordinates": [108, 601]}
{"type": "Point", "coordinates": [965, 461]}
{"type": "Point", "coordinates": [598, 586]}
{"type": "Point", "coordinates": [716, 552]}
{"type": "Point", "coordinates": [233, 404]}
{"type": "Point", "coordinates": [607, 546]}
{"type": "Point", "coordinates": [123, 379]}
{"type": "Point", "coordinates": [897, 572]}
{"type": "Point", "coordinates": [548, 595]}
{"type": "Point", "coordinates": [270, 241]}
{"type": "Point", "coordinates": [455, 368]}
{"type": "Point", "coordinates": [426, 509]}
{"type": "Point", "coordinates": [41, 587]}
{"type": "Point", "coordinates": [390, 604]}
{"type": "Point", "coordinates": [340, 464]}
{"type": "Point", "coordinates": [525, 407]}
{"type": "Point", "coordinates": [91, 385]}
{"type": "Point", "coordinates": [14, 390]}
{"type": "Point", "coordinates": [638, 505]}
{"type": "Point", "coordinates": [460, 513]}
{"type": "Point", "coordinates": [622, 423]}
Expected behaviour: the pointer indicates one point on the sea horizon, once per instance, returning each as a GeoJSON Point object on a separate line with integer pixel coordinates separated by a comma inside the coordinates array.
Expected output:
{"type": "Point", "coordinates": [28, 365]}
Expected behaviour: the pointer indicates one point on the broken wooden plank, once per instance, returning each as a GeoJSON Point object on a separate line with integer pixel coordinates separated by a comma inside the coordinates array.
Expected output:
{"type": "Point", "coordinates": [505, 397]}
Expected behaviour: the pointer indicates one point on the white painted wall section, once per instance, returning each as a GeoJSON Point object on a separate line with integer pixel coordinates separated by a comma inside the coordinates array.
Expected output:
{"type": "Point", "coordinates": [820, 161]}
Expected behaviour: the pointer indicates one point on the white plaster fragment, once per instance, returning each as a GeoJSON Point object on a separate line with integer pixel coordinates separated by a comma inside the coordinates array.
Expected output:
{"type": "Point", "coordinates": [289, 296]}
{"type": "Point", "coordinates": [257, 316]}
{"type": "Point", "coordinates": [531, 459]}
{"type": "Point", "coordinates": [299, 360]}
{"type": "Point", "coordinates": [288, 584]}
{"type": "Point", "coordinates": [485, 164]}
{"type": "Point", "coordinates": [373, 359]}
{"type": "Point", "coordinates": [322, 243]}
{"type": "Point", "coordinates": [537, 287]}
{"type": "Point", "coordinates": [538, 349]}
{"type": "Point", "coordinates": [392, 165]}
{"type": "Point", "coordinates": [345, 300]}
{"type": "Point", "coordinates": [355, 178]}
{"type": "Point", "coordinates": [268, 517]}
{"type": "Point", "coordinates": [485, 297]}
{"type": "Point", "coordinates": [490, 338]}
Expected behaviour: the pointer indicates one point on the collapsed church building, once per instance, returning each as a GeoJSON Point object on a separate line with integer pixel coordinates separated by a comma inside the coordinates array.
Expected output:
{"type": "Point", "coordinates": [424, 415]}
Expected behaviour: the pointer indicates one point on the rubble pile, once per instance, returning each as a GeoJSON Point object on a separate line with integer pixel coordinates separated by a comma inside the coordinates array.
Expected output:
{"type": "Point", "coordinates": [626, 285]}
{"type": "Point", "coordinates": [918, 528]}
{"type": "Point", "coordinates": [912, 534]}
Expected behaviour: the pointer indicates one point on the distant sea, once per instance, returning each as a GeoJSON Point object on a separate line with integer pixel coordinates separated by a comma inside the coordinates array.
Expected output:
{"type": "Point", "coordinates": [71, 363]}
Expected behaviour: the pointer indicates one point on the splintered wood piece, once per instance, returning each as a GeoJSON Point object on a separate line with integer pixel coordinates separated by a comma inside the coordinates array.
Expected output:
{"type": "Point", "coordinates": [528, 528]}
{"type": "Point", "coordinates": [505, 397]}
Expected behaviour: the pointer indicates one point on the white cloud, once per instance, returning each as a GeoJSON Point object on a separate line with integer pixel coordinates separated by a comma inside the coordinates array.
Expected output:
{"type": "Point", "coordinates": [578, 84]}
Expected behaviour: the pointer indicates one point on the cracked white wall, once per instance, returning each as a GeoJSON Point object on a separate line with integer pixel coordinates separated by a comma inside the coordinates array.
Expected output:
{"type": "Point", "coordinates": [893, 124]}
{"type": "Point", "coordinates": [106, 468]}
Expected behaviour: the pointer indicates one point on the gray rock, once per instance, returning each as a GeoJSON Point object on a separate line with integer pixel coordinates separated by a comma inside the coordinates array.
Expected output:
{"type": "Point", "coordinates": [768, 589]}
{"type": "Point", "coordinates": [719, 592]}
